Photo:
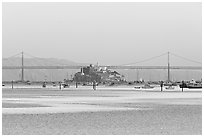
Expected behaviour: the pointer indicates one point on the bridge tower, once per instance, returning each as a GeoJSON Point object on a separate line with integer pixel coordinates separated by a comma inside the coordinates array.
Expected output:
{"type": "Point", "coordinates": [22, 69]}
{"type": "Point", "coordinates": [168, 69]}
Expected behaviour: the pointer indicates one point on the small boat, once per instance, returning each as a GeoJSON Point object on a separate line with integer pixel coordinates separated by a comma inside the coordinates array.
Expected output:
{"type": "Point", "coordinates": [195, 85]}
{"type": "Point", "coordinates": [192, 84]}
{"type": "Point", "coordinates": [170, 87]}
{"type": "Point", "coordinates": [137, 87]}
{"type": "Point", "coordinates": [28, 83]}
{"type": "Point", "coordinates": [146, 86]}
{"type": "Point", "coordinates": [65, 85]}
{"type": "Point", "coordinates": [44, 85]}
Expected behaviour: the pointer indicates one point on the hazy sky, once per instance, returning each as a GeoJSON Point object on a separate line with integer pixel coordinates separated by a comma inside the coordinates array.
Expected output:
{"type": "Point", "coordinates": [108, 33]}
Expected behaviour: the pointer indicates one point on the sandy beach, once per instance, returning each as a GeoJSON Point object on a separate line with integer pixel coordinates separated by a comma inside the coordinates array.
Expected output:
{"type": "Point", "coordinates": [104, 111]}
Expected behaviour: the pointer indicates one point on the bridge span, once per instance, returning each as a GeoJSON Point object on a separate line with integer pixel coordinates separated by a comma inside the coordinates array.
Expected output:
{"type": "Point", "coordinates": [124, 66]}
{"type": "Point", "coordinates": [108, 67]}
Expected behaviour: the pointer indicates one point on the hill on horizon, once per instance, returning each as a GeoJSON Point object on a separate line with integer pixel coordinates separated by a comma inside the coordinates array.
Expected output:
{"type": "Point", "coordinates": [38, 62]}
{"type": "Point", "coordinates": [38, 74]}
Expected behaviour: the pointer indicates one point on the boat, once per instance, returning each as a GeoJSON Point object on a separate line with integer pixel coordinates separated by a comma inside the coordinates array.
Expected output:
{"type": "Point", "coordinates": [194, 85]}
{"type": "Point", "coordinates": [191, 85]}
{"type": "Point", "coordinates": [146, 86]}
{"type": "Point", "coordinates": [170, 87]}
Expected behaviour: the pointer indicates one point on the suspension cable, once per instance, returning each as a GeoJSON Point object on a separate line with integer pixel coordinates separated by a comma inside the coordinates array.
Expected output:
{"type": "Point", "coordinates": [145, 59]}
{"type": "Point", "coordinates": [13, 56]}
{"type": "Point", "coordinates": [190, 60]}
{"type": "Point", "coordinates": [33, 57]}
{"type": "Point", "coordinates": [43, 58]}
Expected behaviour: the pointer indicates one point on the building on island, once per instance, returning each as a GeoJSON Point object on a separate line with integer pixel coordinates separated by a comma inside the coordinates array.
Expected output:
{"type": "Point", "coordinates": [95, 73]}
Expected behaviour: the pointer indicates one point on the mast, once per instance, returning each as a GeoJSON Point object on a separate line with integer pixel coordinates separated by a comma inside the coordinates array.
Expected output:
{"type": "Point", "coordinates": [137, 74]}
{"type": "Point", "coordinates": [168, 69]}
{"type": "Point", "coordinates": [22, 76]}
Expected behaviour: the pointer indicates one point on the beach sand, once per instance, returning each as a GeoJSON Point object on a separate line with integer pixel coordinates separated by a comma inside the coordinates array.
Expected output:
{"type": "Point", "coordinates": [40, 112]}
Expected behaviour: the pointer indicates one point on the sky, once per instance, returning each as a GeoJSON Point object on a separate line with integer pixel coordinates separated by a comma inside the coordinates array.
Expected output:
{"type": "Point", "coordinates": [107, 33]}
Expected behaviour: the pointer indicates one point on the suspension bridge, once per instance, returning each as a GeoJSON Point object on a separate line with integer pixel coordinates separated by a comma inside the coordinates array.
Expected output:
{"type": "Point", "coordinates": [123, 66]}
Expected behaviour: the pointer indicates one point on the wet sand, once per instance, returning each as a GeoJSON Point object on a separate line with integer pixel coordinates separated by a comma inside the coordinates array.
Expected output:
{"type": "Point", "coordinates": [101, 112]}
{"type": "Point", "coordinates": [161, 120]}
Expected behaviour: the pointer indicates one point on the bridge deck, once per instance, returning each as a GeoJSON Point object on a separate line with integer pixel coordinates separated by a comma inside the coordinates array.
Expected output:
{"type": "Point", "coordinates": [108, 67]}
